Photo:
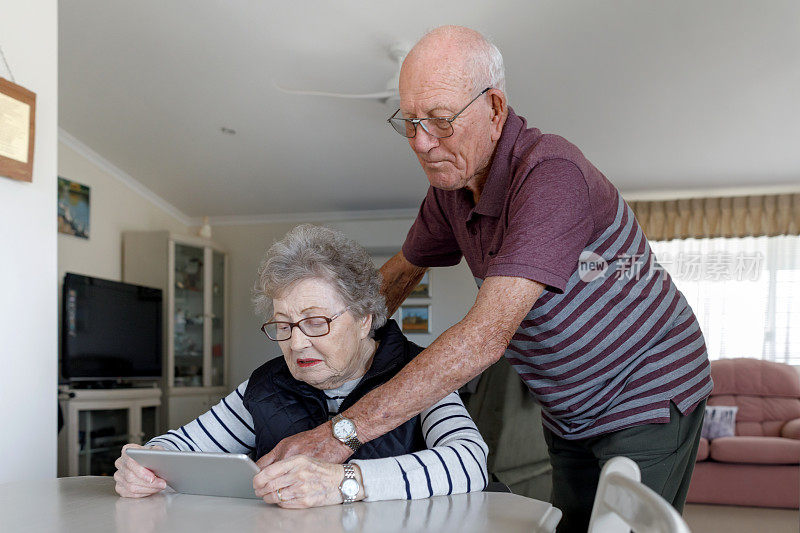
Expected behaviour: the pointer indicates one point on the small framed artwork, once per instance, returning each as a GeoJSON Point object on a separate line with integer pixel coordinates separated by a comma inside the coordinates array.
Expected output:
{"type": "Point", "coordinates": [73, 208]}
{"type": "Point", "coordinates": [17, 131]}
{"type": "Point", "coordinates": [415, 318]}
{"type": "Point", "coordinates": [423, 289]}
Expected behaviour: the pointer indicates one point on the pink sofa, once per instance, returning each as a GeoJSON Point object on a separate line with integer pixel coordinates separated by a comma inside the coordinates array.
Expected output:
{"type": "Point", "coordinates": [760, 465]}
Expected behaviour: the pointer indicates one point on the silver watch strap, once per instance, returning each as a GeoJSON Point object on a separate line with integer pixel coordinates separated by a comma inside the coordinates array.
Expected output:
{"type": "Point", "coordinates": [354, 443]}
{"type": "Point", "coordinates": [349, 473]}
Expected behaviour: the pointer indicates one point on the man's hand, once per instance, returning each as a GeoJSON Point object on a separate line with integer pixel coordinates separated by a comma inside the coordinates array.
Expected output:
{"type": "Point", "coordinates": [318, 443]}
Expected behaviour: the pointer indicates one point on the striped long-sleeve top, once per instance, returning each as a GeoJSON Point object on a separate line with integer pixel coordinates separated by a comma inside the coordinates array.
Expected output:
{"type": "Point", "coordinates": [455, 461]}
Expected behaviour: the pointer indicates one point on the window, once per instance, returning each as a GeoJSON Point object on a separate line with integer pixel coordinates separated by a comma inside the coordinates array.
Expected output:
{"type": "Point", "coordinates": [744, 291]}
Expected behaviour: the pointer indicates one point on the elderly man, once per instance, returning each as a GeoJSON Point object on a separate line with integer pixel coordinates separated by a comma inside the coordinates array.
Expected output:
{"type": "Point", "coordinates": [569, 290]}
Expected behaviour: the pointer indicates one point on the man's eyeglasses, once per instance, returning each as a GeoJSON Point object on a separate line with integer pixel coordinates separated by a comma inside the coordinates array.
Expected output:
{"type": "Point", "coordinates": [312, 326]}
{"type": "Point", "coordinates": [439, 127]}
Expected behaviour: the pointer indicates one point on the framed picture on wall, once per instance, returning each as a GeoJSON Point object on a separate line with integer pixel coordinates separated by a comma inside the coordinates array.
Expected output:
{"type": "Point", "coordinates": [423, 289]}
{"type": "Point", "coordinates": [73, 208]}
{"type": "Point", "coordinates": [415, 318]}
{"type": "Point", "coordinates": [17, 129]}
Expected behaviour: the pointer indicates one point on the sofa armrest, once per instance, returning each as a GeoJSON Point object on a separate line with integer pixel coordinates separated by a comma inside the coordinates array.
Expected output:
{"type": "Point", "coordinates": [791, 429]}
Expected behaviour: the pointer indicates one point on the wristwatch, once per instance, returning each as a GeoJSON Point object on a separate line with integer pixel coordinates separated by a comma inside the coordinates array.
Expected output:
{"type": "Point", "coordinates": [345, 431]}
{"type": "Point", "coordinates": [349, 486]}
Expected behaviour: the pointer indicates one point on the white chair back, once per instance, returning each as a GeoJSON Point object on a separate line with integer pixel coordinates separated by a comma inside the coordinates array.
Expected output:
{"type": "Point", "coordinates": [623, 503]}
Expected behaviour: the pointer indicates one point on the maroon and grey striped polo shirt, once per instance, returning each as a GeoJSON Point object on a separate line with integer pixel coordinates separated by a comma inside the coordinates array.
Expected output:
{"type": "Point", "coordinates": [612, 341]}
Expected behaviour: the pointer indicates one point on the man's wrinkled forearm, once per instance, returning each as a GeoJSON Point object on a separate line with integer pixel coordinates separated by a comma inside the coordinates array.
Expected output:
{"type": "Point", "coordinates": [450, 362]}
{"type": "Point", "coordinates": [399, 279]}
{"type": "Point", "coordinates": [455, 357]}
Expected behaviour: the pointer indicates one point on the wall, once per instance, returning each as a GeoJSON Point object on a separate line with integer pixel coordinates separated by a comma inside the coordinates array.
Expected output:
{"type": "Point", "coordinates": [453, 289]}
{"type": "Point", "coordinates": [28, 323]}
{"type": "Point", "coordinates": [114, 207]}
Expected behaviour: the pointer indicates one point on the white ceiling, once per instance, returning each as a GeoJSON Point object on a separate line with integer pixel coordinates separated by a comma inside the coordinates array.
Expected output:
{"type": "Point", "coordinates": [659, 95]}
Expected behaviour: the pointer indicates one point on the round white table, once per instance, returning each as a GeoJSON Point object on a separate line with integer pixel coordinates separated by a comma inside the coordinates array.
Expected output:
{"type": "Point", "coordinates": [89, 504]}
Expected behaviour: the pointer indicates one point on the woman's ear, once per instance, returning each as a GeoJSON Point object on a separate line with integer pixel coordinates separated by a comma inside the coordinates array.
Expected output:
{"type": "Point", "coordinates": [365, 326]}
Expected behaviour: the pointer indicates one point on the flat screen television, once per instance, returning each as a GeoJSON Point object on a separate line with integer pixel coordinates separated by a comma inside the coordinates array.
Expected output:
{"type": "Point", "coordinates": [110, 330]}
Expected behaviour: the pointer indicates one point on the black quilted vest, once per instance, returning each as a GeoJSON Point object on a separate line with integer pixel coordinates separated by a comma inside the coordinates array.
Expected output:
{"type": "Point", "coordinates": [282, 406]}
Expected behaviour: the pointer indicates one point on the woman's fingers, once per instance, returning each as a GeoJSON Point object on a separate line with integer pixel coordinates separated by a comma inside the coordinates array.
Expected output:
{"type": "Point", "coordinates": [132, 479]}
{"type": "Point", "coordinates": [303, 482]}
{"type": "Point", "coordinates": [138, 470]}
{"type": "Point", "coordinates": [132, 490]}
{"type": "Point", "coordinates": [287, 493]}
{"type": "Point", "coordinates": [141, 472]}
{"type": "Point", "coordinates": [128, 489]}
{"type": "Point", "coordinates": [279, 468]}
{"type": "Point", "coordinates": [281, 482]}
{"type": "Point", "coordinates": [287, 475]}
{"type": "Point", "coordinates": [302, 495]}
{"type": "Point", "coordinates": [264, 480]}
{"type": "Point", "coordinates": [298, 495]}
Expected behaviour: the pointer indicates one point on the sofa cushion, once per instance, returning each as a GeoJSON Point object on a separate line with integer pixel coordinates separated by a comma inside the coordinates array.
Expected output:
{"type": "Point", "coordinates": [749, 485]}
{"type": "Point", "coordinates": [719, 421]}
{"type": "Point", "coordinates": [754, 377]}
{"type": "Point", "coordinates": [759, 416]}
{"type": "Point", "coordinates": [766, 393]}
{"type": "Point", "coordinates": [755, 450]}
{"type": "Point", "coordinates": [702, 450]}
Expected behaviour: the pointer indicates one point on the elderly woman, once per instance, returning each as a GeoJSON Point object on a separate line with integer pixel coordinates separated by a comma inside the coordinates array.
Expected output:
{"type": "Point", "coordinates": [321, 293]}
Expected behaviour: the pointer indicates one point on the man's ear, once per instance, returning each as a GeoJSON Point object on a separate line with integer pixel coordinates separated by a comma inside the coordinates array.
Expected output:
{"type": "Point", "coordinates": [497, 100]}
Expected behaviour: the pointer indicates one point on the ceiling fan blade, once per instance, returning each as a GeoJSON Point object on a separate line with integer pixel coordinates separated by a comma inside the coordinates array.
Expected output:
{"type": "Point", "coordinates": [375, 96]}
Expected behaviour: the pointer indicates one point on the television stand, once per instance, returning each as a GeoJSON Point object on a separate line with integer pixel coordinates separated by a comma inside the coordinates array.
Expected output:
{"type": "Point", "coordinates": [99, 421]}
{"type": "Point", "coordinates": [113, 384]}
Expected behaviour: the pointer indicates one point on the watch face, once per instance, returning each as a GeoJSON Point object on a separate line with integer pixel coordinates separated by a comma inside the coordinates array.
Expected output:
{"type": "Point", "coordinates": [350, 488]}
{"type": "Point", "coordinates": [343, 429]}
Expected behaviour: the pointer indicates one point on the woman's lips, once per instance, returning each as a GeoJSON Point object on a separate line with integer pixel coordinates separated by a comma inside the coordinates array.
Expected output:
{"type": "Point", "coordinates": [308, 362]}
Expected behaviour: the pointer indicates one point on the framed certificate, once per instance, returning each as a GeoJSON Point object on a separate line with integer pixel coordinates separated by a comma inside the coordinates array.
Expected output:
{"type": "Point", "coordinates": [17, 126]}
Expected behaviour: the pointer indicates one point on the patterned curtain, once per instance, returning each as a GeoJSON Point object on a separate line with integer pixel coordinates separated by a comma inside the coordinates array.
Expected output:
{"type": "Point", "coordinates": [737, 216]}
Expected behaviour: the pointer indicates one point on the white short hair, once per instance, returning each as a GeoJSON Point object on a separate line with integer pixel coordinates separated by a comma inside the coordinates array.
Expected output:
{"type": "Point", "coordinates": [310, 251]}
{"type": "Point", "coordinates": [486, 68]}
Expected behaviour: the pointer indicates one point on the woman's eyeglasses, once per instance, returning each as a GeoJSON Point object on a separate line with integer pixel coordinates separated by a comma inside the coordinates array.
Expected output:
{"type": "Point", "coordinates": [312, 326]}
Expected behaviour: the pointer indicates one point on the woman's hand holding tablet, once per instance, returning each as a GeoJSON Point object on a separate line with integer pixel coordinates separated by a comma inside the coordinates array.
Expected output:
{"type": "Point", "coordinates": [134, 480]}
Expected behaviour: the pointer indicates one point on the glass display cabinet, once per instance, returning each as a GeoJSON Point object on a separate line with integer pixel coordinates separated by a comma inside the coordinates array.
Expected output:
{"type": "Point", "coordinates": [193, 274]}
{"type": "Point", "coordinates": [188, 316]}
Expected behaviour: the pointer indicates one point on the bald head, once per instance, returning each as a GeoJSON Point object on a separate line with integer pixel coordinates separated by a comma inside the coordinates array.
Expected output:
{"type": "Point", "coordinates": [461, 55]}
{"type": "Point", "coordinates": [453, 73]}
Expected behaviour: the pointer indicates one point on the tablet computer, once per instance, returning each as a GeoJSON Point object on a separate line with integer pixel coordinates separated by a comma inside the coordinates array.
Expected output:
{"type": "Point", "coordinates": [209, 474]}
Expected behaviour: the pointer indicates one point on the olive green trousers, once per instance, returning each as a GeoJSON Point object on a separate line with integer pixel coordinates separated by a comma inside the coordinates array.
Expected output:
{"type": "Point", "coordinates": [665, 454]}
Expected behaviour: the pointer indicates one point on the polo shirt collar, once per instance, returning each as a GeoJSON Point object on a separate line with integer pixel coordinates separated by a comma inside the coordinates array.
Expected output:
{"type": "Point", "coordinates": [495, 190]}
